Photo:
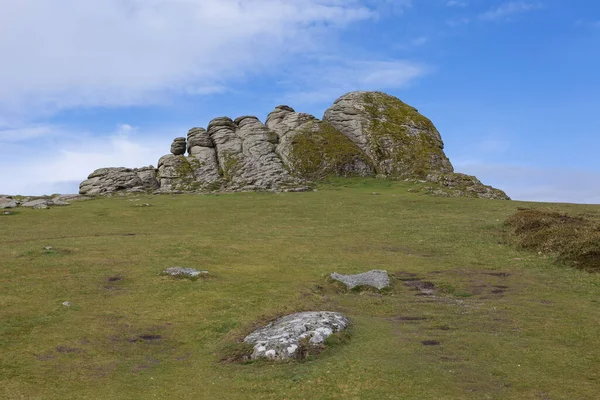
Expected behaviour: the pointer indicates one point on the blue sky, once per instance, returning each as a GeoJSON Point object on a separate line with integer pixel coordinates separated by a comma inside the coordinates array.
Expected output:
{"type": "Point", "coordinates": [512, 86]}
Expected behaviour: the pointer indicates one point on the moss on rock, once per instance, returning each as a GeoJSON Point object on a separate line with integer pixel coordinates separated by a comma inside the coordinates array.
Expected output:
{"type": "Point", "coordinates": [320, 150]}
{"type": "Point", "coordinates": [403, 141]}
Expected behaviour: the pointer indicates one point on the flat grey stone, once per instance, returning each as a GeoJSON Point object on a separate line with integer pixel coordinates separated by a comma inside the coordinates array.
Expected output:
{"type": "Point", "coordinates": [180, 271]}
{"type": "Point", "coordinates": [280, 340]}
{"type": "Point", "coordinates": [37, 203]}
{"type": "Point", "coordinates": [376, 278]}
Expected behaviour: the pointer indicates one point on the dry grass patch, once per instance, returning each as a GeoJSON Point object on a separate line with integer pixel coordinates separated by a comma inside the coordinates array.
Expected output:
{"type": "Point", "coordinates": [573, 239]}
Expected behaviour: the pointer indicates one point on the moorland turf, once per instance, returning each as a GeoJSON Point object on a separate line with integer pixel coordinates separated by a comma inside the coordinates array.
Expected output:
{"type": "Point", "coordinates": [469, 315]}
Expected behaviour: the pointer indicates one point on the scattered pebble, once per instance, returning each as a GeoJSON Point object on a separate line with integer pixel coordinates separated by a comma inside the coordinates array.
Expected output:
{"type": "Point", "coordinates": [67, 304]}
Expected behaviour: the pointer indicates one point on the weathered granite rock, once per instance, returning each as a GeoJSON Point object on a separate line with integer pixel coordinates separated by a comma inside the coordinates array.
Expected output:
{"type": "Point", "coordinates": [285, 337]}
{"type": "Point", "coordinates": [71, 197]}
{"type": "Point", "coordinates": [109, 180]}
{"type": "Point", "coordinates": [461, 185]}
{"type": "Point", "coordinates": [313, 149]}
{"type": "Point", "coordinates": [8, 202]}
{"type": "Point", "coordinates": [398, 140]}
{"type": "Point", "coordinates": [184, 272]}
{"type": "Point", "coordinates": [37, 203]}
{"type": "Point", "coordinates": [178, 147]}
{"type": "Point", "coordinates": [376, 278]}
{"type": "Point", "coordinates": [246, 154]}
{"type": "Point", "coordinates": [362, 134]}
{"type": "Point", "coordinates": [40, 207]}
{"type": "Point", "coordinates": [198, 137]}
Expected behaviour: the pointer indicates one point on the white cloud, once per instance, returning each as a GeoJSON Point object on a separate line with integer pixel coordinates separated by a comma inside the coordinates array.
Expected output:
{"type": "Point", "coordinates": [532, 183]}
{"type": "Point", "coordinates": [510, 9]}
{"type": "Point", "coordinates": [58, 166]}
{"type": "Point", "coordinates": [71, 53]}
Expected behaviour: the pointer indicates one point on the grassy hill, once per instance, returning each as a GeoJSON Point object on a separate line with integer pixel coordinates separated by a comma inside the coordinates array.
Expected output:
{"type": "Point", "coordinates": [501, 323]}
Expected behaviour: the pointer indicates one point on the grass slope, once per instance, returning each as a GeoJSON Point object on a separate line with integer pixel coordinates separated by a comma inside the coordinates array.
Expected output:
{"type": "Point", "coordinates": [502, 323]}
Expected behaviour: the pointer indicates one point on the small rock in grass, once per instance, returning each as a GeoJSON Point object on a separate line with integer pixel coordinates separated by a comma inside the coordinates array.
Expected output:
{"type": "Point", "coordinates": [376, 278]}
{"type": "Point", "coordinates": [7, 213]}
{"type": "Point", "coordinates": [184, 272]}
{"type": "Point", "coordinates": [286, 337]}
{"type": "Point", "coordinates": [67, 304]}
{"type": "Point", "coordinates": [48, 248]}
{"type": "Point", "coordinates": [40, 207]}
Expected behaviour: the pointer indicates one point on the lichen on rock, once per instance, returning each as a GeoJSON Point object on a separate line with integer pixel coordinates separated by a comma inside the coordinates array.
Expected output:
{"type": "Point", "coordinates": [399, 140]}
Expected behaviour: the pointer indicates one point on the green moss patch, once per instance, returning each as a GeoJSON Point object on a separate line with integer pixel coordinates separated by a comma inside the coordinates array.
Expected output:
{"type": "Point", "coordinates": [402, 140]}
{"type": "Point", "coordinates": [321, 152]}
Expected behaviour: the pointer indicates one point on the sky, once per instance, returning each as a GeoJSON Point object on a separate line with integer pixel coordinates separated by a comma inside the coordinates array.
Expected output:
{"type": "Point", "coordinates": [512, 86]}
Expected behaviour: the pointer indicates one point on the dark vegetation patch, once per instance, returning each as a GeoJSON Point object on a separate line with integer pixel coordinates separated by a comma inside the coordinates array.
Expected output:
{"type": "Point", "coordinates": [410, 318]}
{"type": "Point", "coordinates": [67, 350]}
{"type": "Point", "coordinates": [430, 343]}
{"type": "Point", "coordinates": [574, 240]}
{"type": "Point", "coordinates": [405, 276]}
{"type": "Point", "coordinates": [145, 338]}
{"type": "Point", "coordinates": [498, 274]}
{"type": "Point", "coordinates": [114, 279]}
{"type": "Point", "coordinates": [424, 287]}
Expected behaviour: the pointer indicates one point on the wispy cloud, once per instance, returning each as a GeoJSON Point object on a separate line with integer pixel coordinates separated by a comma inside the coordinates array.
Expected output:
{"type": "Point", "coordinates": [510, 10]}
{"type": "Point", "coordinates": [531, 183]}
{"type": "Point", "coordinates": [456, 3]}
{"type": "Point", "coordinates": [59, 165]}
{"type": "Point", "coordinates": [60, 55]}
{"type": "Point", "coordinates": [336, 76]}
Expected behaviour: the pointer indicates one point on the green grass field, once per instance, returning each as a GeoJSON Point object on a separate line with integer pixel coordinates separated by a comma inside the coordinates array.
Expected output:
{"type": "Point", "coordinates": [503, 323]}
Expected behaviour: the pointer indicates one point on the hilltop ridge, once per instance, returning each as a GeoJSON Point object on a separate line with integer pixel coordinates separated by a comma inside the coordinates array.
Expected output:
{"type": "Point", "coordinates": [361, 134]}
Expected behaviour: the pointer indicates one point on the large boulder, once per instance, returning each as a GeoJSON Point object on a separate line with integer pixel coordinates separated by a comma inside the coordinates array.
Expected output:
{"type": "Point", "coordinates": [179, 146]}
{"type": "Point", "coordinates": [398, 140]}
{"type": "Point", "coordinates": [314, 149]}
{"type": "Point", "coordinates": [109, 180]}
{"type": "Point", "coordinates": [290, 337]}
{"type": "Point", "coordinates": [8, 202]}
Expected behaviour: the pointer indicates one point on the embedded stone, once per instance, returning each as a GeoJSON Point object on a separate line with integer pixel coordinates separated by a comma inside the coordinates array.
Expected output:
{"type": "Point", "coordinates": [184, 272]}
{"type": "Point", "coordinates": [287, 337]}
{"type": "Point", "coordinates": [376, 278]}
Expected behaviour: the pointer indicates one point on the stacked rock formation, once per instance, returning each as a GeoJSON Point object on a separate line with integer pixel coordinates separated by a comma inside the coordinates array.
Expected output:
{"type": "Point", "coordinates": [362, 134]}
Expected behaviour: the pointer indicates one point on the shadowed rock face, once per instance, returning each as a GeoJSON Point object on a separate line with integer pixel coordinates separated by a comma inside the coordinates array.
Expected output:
{"type": "Point", "coordinates": [362, 134]}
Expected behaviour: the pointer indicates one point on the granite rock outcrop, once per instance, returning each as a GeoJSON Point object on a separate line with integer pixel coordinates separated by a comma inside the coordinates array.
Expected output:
{"type": "Point", "coordinates": [361, 134]}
